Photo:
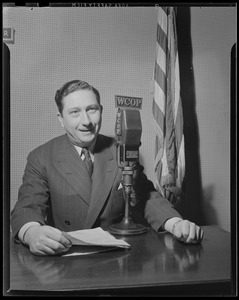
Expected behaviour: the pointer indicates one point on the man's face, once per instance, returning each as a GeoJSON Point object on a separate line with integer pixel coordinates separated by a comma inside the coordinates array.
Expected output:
{"type": "Point", "coordinates": [81, 117]}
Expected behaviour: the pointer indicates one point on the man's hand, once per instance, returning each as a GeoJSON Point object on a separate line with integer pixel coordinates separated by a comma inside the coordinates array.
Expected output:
{"type": "Point", "coordinates": [187, 232]}
{"type": "Point", "coordinates": [46, 240]}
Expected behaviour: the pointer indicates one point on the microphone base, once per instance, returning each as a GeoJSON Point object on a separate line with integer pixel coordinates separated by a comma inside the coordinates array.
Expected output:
{"type": "Point", "coordinates": [127, 227]}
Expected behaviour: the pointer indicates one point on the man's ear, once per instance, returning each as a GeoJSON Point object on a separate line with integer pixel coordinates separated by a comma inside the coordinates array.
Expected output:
{"type": "Point", "coordinates": [59, 116]}
{"type": "Point", "coordinates": [101, 108]}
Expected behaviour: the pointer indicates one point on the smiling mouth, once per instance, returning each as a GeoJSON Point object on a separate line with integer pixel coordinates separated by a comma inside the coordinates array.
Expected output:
{"type": "Point", "coordinates": [87, 130]}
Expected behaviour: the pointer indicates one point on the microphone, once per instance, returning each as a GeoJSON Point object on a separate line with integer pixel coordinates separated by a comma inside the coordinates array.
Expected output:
{"type": "Point", "coordinates": [128, 130]}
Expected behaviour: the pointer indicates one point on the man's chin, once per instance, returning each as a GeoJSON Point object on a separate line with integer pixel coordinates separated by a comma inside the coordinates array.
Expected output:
{"type": "Point", "coordinates": [82, 141]}
{"type": "Point", "coordinates": [87, 140]}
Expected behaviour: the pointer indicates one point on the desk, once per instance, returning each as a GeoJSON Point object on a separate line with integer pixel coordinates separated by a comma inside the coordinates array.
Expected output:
{"type": "Point", "coordinates": [157, 264]}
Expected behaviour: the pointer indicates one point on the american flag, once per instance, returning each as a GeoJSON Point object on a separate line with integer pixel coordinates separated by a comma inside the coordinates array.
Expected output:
{"type": "Point", "coordinates": [167, 109]}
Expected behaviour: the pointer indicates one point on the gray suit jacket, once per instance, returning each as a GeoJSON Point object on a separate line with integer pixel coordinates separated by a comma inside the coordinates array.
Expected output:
{"type": "Point", "coordinates": [57, 190]}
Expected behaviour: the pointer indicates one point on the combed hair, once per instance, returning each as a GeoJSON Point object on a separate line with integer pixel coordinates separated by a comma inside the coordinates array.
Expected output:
{"type": "Point", "coordinates": [71, 87]}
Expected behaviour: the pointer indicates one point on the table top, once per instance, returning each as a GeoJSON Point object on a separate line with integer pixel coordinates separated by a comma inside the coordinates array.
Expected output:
{"type": "Point", "coordinates": [155, 263]}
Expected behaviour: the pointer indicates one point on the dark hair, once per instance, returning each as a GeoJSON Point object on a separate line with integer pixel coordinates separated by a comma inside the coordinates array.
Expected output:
{"type": "Point", "coordinates": [71, 87]}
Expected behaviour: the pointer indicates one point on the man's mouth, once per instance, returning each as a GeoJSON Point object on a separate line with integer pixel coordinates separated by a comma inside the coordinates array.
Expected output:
{"type": "Point", "coordinates": [87, 130]}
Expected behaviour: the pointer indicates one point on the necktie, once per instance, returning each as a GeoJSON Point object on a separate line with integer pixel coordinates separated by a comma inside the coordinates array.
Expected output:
{"type": "Point", "coordinates": [87, 161]}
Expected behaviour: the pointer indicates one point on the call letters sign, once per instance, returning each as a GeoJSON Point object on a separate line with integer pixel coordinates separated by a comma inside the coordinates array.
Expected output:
{"type": "Point", "coordinates": [128, 102]}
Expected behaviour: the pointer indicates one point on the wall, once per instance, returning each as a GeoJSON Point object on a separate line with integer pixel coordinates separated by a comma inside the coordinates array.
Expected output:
{"type": "Point", "coordinates": [114, 49]}
{"type": "Point", "coordinates": [213, 33]}
{"type": "Point", "coordinates": [110, 48]}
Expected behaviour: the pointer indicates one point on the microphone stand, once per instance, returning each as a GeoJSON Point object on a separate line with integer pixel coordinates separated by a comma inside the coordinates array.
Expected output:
{"type": "Point", "coordinates": [127, 226]}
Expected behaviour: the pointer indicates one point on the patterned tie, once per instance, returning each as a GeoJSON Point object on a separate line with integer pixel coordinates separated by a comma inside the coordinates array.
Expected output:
{"type": "Point", "coordinates": [87, 161]}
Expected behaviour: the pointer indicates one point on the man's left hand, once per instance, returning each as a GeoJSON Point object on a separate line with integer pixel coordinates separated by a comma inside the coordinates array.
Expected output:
{"type": "Point", "coordinates": [187, 232]}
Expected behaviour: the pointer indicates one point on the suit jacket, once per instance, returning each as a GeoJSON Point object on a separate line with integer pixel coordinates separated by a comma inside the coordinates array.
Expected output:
{"type": "Point", "coordinates": [58, 191]}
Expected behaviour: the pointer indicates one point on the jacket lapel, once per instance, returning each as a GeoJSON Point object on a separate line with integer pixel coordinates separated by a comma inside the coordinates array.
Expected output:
{"type": "Point", "coordinates": [71, 167]}
{"type": "Point", "coordinates": [105, 170]}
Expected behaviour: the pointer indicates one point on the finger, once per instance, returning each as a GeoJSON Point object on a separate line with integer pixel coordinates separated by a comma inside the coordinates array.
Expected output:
{"type": "Point", "coordinates": [56, 246]}
{"type": "Point", "coordinates": [192, 233]}
{"type": "Point", "coordinates": [56, 235]}
{"type": "Point", "coordinates": [64, 241]}
{"type": "Point", "coordinates": [51, 231]}
{"type": "Point", "coordinates": [49, 249]}
{"type": "Point", "coordinates": [37, 252]}
{"type": "Point", "coordinates": [185, 227]}
{"type": "Point", "coordinates": [52, 240]}
{"type": "Point", "coordinates": [43, 251]}
{"type": "Point", "coordinates": [199, 234]}
{"type": "Point", "coordinates": [196, 234]}
{"type": "Point", "coordinates": [177, 232]}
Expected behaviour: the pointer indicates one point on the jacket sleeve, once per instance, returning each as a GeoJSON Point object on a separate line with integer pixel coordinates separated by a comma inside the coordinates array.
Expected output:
{"type": "Point", "coordinates": [151, 207]}
{"type": "Point", "coordinates": [33, 196]}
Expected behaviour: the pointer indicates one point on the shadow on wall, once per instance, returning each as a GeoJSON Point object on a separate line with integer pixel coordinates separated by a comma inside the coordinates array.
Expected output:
{"type": "Point", "coordinates": [191, 206]}
{"type": "Point", "coordinates": [209, 211]}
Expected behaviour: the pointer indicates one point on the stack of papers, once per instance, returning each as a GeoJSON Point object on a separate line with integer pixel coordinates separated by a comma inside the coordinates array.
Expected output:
{"type": "Point", "coordinates": [92, 241]}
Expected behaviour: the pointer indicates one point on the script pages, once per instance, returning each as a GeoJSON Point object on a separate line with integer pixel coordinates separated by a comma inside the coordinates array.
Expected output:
{"type": "Point", "coordinates": [89, 241]}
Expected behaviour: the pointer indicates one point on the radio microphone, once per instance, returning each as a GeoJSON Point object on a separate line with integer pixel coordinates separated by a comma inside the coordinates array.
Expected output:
{"type": "Point", "coordinates": [128, 130]}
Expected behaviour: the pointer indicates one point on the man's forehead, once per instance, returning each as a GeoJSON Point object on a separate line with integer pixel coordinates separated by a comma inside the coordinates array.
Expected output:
{"type": "Point", "coordinates": [80, 97]}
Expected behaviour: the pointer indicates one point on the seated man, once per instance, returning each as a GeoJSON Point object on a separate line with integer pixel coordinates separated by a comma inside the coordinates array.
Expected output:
{"type": "Point", "coordinates": [59, 194]}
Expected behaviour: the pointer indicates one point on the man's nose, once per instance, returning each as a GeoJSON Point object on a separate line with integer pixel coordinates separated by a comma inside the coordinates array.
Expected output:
{"type": "Point", "coordinates": [85, 120]}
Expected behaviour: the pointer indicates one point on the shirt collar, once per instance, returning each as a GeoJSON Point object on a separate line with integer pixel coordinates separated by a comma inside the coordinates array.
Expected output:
{"type": "Point", "coordinates": [90, 148]}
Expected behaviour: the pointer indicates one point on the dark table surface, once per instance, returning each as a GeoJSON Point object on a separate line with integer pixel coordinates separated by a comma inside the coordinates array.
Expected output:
{"type": "Point", "coordinates": [156, 264]}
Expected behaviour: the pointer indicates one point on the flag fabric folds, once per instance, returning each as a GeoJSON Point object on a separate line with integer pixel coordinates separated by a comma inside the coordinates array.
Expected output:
{"type": "Point", "coordinates": [167, 110]}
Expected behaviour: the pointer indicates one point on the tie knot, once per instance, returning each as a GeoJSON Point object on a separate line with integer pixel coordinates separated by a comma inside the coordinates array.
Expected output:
{"type": "Point", "coordinates": [86, 152]}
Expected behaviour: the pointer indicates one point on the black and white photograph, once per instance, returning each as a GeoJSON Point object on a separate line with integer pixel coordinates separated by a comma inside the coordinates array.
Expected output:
{"type": "Point", "coordinates": [119, 149]}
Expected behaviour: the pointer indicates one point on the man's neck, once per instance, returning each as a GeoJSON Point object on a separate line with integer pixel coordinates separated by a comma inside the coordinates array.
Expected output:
{"type": "Point", "coordinates": [90, 146]}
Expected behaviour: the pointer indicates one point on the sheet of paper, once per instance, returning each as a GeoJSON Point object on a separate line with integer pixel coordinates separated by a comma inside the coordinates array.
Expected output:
{"type": "Point", "coordinates": [86, 250]}
{"type": "Point", "coordinates": [96, 236]}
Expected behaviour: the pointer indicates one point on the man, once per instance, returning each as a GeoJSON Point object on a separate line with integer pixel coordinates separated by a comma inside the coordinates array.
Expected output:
{"type": "Point", "coordinates": [58, 193]}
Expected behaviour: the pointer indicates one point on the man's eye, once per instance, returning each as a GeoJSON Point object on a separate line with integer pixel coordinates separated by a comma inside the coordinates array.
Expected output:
{"type": "Point", "coordinates": [92, 109]}
{"type": "Point", "coordinates": [73, 112]}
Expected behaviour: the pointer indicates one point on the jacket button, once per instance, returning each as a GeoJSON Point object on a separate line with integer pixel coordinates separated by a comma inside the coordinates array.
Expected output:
{"type": "Point", "coordinates": [67, 222]}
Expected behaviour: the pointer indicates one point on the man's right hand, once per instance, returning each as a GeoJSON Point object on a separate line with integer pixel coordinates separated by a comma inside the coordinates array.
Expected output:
{"type": "Point", "coordinates": [46, 240]}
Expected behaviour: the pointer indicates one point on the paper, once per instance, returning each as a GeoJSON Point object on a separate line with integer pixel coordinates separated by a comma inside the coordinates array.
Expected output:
{"type": "Point", "coordinates": [93, 241]}
{"type": "Point", "coordinates": [86, 250]}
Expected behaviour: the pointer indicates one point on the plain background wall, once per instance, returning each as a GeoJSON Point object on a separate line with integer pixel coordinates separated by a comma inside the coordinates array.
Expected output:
{"type": "Point", "coordinates": [114, 49]}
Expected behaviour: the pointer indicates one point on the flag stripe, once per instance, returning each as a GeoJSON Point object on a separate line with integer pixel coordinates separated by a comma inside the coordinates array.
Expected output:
{"type": "Point", "coordinates": [158, 116]}
{"type": "Point", "coordinates": [161, 58]}
{"type": "Point", "coordinates": [162, 18]}
{"type": "Point", "coordinates": [167, 107]}
{"type": "Point", "coordinates": [157, 100]}
{"type": "Point", "coordinates": [159, 77]}
{"type": "Point", "coordinates": [165, 9]}
{"type": "Point", "coordinates": [162, 38]}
